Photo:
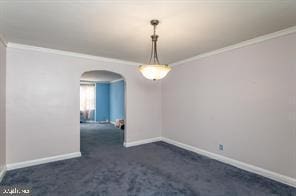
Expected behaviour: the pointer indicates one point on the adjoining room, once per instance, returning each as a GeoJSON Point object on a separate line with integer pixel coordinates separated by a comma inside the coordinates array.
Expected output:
{"type": "Point", "coordinates": [102, 108]}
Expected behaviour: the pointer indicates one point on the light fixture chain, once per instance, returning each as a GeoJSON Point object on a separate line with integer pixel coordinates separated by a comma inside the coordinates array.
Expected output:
{"type": "Point", "coordinates": [151, 53]}
{"type": "Point", "coordinates": [155, 54]}
{"type": "Point", "coordinates": [154, 38]}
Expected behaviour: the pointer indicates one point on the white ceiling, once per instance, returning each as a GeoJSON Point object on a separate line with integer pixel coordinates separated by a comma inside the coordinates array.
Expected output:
{"type": "Point", "coordinates": [121, 29]}
{"type": "Point", "coordinates": [100, 76]}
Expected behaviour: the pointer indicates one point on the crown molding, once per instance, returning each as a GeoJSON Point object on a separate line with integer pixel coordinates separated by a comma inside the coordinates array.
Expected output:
{"type": "Point", "coordinates": [67, 53]}
{"type": "Point", "coordinates": [2, 40]}
{"type": "Point", "coordinates": [240, 45]}
{"type": "Point", "coordinates": [111, 60]}
{"type": "Point", "coordinates": [117, 80]}
{"type": "Point", "coordinates": [103, 82]}
{"type": "Point", "coordinates": [87, 82]}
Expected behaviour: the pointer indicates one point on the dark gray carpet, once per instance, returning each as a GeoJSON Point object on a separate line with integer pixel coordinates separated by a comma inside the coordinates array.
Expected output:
{"type": "Point", "coordinates": [107, 168]}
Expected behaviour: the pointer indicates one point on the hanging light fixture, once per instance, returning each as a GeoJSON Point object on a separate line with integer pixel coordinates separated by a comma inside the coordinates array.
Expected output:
{"type": "Point", "coordinates": [154, 70]}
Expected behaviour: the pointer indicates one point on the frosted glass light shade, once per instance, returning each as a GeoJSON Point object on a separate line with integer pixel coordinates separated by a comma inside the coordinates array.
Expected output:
{"type": "Point", "coordinates": [154, 72]}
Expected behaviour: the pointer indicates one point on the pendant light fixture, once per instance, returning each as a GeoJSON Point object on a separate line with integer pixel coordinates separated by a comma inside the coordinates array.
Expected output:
{"type": "Point", "coordinates": [154, 70]}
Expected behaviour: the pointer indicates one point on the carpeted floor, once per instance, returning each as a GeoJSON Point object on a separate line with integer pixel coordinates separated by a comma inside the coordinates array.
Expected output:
{"type": "Point", "coordinates": [107, 168]}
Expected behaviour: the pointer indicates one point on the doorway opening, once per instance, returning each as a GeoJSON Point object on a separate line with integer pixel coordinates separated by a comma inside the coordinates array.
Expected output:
{"type": "Point", "coordinates": [102, 109]}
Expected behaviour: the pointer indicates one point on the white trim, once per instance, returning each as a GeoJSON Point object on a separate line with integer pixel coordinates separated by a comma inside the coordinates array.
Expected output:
{"type": "Point", "coordinates": [18, 165]}
{"type": "Point", "coordinates": [87, 82]}
{"type": "Point", "coordinates": [240, 45]}
{"type": "Point", "coordinates": [110, 60]}
{"type": "Point", "coordinates": [112, 122]}
{"type": "Point", "coordinates": [245, 166]}
{"type": "Point", "coordinates": [113, 81]}
{"type": "Point", "coordinates": [67, 53]}
{"type": "Point", "coordinates": [140, 142]}
{"type": "Point", "coordinates": [2, 40]}
{"type": "Point", "coordinates": [2, 173]}
{"type": "Point", "coordinates": [101, 82]}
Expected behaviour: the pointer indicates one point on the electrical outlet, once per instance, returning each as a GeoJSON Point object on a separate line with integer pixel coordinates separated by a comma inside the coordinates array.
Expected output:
{"type": "Point", "coordinates": [221, 147]}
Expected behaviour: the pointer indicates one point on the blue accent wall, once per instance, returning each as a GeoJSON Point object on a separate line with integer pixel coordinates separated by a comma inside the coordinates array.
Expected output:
{"type": "Point", "coordinates": [117, 100]}
{"type": "Point", "coordinates": [102, 101]}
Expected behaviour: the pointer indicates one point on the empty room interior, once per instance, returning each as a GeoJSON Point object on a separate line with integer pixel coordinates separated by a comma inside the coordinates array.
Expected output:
{"type": "Point", "coordinates": [148, 98]}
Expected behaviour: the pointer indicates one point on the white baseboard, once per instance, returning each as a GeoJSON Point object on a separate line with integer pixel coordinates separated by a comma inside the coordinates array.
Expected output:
{"type": "Point", "coordinates": [250, 168]}
{"type": "Point", "coordinates": [140, 142]}
{"type": "Point", "coordinates": [2, 173]}
{"type": "Point", "coordinates": [18, 165]}
{"type": "Point", "coordinates": [245, 166]}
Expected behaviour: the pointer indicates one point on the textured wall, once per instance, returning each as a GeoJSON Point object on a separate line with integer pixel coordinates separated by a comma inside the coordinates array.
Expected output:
{"type": "Point", "coordinates": [244, 99]}
{"type": "Point", "coordinates": [102, 101]}
{"type": "Point", "coordinates": [43, 103]}
{"type": "Point", "coordinates": [117, 100]}
{"type": "Point", "coordinates": [2, 105]}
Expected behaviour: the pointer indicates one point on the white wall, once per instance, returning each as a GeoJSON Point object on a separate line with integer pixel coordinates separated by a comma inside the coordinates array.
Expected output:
{"type": "Point", "coordinates": [43, 103]}
{"type": "Point", "coordinates": [244, 99]}
{"type": "Point", "coordinates": [2, 105]}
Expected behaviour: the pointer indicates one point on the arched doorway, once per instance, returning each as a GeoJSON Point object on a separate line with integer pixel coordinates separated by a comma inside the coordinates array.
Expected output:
{"type": "Point", "coordinates": [102, 109]}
